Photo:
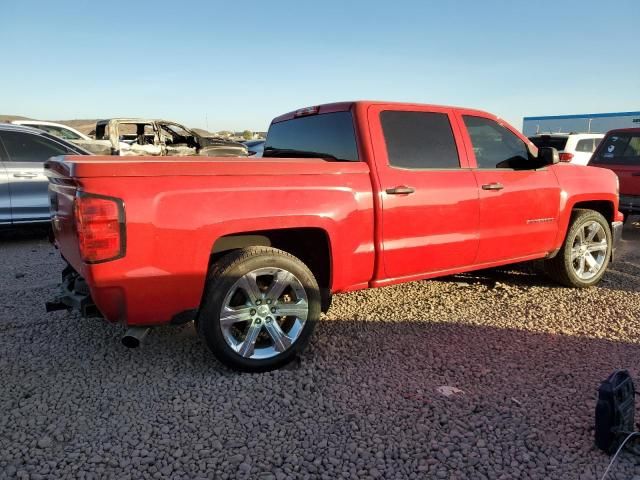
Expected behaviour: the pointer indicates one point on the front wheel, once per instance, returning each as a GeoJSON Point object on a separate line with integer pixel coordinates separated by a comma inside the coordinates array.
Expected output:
{"type": "Point", "coordinates": [585, 254]}
{"type": "Point", "coordinates": [259, 309]}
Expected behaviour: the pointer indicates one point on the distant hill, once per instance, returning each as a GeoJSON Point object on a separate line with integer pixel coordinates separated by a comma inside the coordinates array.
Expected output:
{"type": "Point", "coordinates": [10, 118]}
{"type": "Point", "coordinates": [85, 126]}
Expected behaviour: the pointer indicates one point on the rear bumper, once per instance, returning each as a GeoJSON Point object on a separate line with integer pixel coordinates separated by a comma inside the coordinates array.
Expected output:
{"type": "Point", "coordinates": [132, 306]}
{"type": "Point", "coordinates": [629, 204]}
{"type": "Point", "coordinates": [616, 234]}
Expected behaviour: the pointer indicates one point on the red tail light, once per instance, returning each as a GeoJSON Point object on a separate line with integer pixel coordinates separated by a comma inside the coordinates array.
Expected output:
{"type": "Point", "coordinates": [100, 227]}
{"type": "Point", "coordinates": [566, 157]}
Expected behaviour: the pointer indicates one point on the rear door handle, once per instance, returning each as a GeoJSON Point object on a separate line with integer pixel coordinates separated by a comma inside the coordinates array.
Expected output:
{"type": "Point", "coordinates": [637, 174]}
{"type": "Point", "coordinates": [25, 175]}
{"type": "Point", "coordinates": [492, 186]}
{"type": "Point", "coordinates": [400, 190]}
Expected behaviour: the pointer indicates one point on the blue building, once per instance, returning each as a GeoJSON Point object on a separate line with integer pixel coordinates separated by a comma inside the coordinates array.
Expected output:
{"type": "Point", "coordinates": [586, 123]}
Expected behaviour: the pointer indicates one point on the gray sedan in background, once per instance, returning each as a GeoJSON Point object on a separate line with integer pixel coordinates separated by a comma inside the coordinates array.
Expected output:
{"type": "Point", "coordinates": [24, 196]}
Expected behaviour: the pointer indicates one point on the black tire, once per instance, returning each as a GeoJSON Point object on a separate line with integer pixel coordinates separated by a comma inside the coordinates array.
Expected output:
{"type": "Point", "coordinates": [222, 279]}
{"type": "Point", "coordinates": [560, 268]}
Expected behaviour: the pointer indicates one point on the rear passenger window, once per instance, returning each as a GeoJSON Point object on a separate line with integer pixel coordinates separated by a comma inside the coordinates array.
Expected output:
{"type": "Point", "coordinates": [495, 146]}
{"type": "Point", "coordinates": [585, 145]}
{"type": "Point", "coordinates": [419, 140]}
{"type": "Point", "coordinates": [27, 147]}
{"type": "Point", "coordinates": [328, 135]}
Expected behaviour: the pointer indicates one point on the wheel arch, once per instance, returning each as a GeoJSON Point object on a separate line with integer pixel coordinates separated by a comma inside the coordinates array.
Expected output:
{"type": "Point", "coordinates": [604, 207]}
{"type": "Point", "coordinates": [312, 245]}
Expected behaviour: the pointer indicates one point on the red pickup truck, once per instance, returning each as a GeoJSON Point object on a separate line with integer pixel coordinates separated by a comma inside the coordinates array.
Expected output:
{"type": "Point", "coordinates": [347, 196]}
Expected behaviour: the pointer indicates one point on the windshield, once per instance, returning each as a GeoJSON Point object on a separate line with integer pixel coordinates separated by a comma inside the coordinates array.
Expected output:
{"type": "Point", "coordinates": [618, 149]}
{"type": "Point", "coordinates": [557, 142]}
{"type": "Point", "coordinates": [59, 132]}
{"type": "Point", "coordinates": [175, 129]}
{"type": "Point", "coordinates": [330, 136]}
{"type": "Point", "coordinates": [174, 134]}
{"type": "Point", "coordinates": [71, 148]}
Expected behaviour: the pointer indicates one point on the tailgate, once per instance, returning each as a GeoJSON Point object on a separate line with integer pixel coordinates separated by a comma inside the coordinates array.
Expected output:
{"type": "Point", "coordinates": [62, 192]}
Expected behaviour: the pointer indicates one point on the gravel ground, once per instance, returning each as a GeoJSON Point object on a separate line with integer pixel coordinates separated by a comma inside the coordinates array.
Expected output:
{"type": "Point", "coordinates": [363, 402]}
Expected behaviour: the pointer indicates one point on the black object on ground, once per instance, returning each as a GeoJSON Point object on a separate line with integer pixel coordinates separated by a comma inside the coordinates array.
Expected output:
{"type": "Point", "coordinates": [615, 410]}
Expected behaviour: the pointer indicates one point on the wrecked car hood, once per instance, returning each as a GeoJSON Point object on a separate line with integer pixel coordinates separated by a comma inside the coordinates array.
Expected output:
{"type": "Point", "coordinates": [219, 147]}
{"type": "Point", "coordinates": [99, 147]}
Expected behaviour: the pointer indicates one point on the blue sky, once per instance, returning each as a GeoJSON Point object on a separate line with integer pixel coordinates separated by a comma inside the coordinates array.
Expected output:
{"type": "Point", "coordinates": [235, 65]}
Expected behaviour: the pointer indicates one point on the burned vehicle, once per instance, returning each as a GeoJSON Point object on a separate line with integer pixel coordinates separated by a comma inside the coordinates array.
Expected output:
{"type": "Point", "coordinates": [131, 136]}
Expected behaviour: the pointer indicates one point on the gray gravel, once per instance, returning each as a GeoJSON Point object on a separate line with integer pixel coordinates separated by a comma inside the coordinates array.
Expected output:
{"type": "Point", "coordinates": [524, 358]}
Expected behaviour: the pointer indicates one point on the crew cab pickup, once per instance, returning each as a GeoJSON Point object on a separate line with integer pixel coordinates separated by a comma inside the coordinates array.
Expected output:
{"type": "Point", "coordinates": [347, 196]}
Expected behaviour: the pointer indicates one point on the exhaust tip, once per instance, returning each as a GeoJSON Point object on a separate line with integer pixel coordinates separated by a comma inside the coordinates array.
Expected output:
{"type": "Point", "coordinates": [133, 336]}
{"type": "Point", "coordinates": [130, 341]}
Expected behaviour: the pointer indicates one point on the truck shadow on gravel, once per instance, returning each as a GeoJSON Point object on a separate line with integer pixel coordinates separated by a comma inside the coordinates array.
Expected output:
{"type": "Point", "coordinates": [620, 275]}
{"type": "Point", "coordinates": [623, 274]}
{"type": "Point", "coordinates": [520, 275]}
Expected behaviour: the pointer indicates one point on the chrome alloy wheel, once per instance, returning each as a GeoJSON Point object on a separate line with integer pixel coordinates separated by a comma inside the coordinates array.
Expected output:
{"type": "Point", "coordinates": [264, 313]}
{"type": "Point", "coordinates": [589, 250]}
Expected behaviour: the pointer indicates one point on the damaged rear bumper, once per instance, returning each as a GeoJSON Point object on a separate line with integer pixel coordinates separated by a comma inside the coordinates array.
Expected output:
{"type": "Point", "coordinates": [74, 295]}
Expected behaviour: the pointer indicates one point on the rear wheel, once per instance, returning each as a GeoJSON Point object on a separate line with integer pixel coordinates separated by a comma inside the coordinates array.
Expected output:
{"type": "Point", "coordinates": [585, 254]}
{"type": "Point", "coordinates": [259, 309]}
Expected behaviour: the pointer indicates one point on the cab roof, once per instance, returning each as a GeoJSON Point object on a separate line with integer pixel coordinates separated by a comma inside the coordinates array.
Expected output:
{"type": "Point", "coordinates": [346, 106]}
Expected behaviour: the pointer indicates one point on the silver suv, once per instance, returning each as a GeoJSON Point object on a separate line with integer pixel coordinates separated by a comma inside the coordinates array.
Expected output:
{"type": "Point", "coordinates": [24, 196]}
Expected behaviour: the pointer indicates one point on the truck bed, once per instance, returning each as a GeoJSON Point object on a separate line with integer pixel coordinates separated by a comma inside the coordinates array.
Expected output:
{"type": "Point", "coordinates": [176, 208]}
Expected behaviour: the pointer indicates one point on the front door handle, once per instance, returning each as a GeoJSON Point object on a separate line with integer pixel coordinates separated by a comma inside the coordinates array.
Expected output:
{"type": "Point", "coordinates": [25, 175]}
{"type": "Point", "coordinates": [492, 186]}
{"type": "Point", "coordinates": [400, 190]}
{"type": "Point", "coordinates": [637, 174]}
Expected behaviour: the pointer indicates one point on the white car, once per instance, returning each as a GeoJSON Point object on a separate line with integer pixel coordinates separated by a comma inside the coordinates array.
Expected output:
{"type": "Point", "coordinates": [576, 148]}
{"type": "Point", "coordinates": [55, 129]}
{"type": "Point", "coordinates": [70, 134]}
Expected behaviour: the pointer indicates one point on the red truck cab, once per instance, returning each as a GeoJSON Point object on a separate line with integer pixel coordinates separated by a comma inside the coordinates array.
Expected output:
{"type": "Point", "coordinates": [347, 196]}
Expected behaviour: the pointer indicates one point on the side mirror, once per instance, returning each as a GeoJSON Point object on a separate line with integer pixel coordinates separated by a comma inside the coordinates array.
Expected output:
{"type": "Point", "coordinates": [548, 155]}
